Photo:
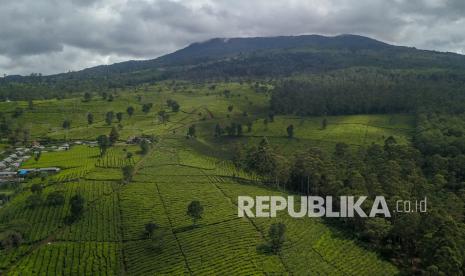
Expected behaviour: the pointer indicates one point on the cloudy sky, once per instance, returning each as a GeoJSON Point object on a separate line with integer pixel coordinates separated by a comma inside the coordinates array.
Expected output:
{"type": "Point", "coordinates": [51, 36]}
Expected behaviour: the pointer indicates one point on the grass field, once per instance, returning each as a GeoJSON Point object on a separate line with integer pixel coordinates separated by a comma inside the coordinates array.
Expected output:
{"type": "Point", "coordinates": [109, 238]}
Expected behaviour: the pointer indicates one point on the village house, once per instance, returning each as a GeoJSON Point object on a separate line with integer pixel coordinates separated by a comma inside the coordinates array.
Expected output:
{"type": "Point", "coordinates": [49, 170]}
{"type": "Point", "coordinates": [8, 160]}
{"type": "Point", "coordinates": [7, 175]}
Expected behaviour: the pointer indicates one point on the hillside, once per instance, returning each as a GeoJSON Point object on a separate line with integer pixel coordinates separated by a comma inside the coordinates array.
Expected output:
{"type": "Point", "coordinates": [239, 58]}
{"type": "Point", "coordinates": [230, 50]}
{"type": "Point", "coordinates": [109, 237]}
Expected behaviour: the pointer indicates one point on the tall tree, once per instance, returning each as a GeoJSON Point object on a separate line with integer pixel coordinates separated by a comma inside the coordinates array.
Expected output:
{"type": "Point", "coordinates": [76, 207]}
{"type": "Point", "coordinates": [128, 172]}
{"type": "Point", "coordinates": [150, 228]}
{"type": "Point", "coordinates": [103, 143]}
{"type": "Point", "coordinates": [195, 211]}
{"type": "Point", "coordinates": [66, 124]}
{"type": "Point", "coordinates": [146, 107]}
{"type": "Point", "coordinates": [114, 135]}
{"type": "Point", "coordinates": [119, 116]}
{"type": "Point", "coordinates": [163, 116]}
{"type": "Point", "coordinates": [109, 117]}
{"type": "Point", "coordinates": [130, 110]}
{"type": "Point", "coordinates": [87, 97]}
{"type": "Point", "coordinates": [290, 131]}
{"type": "Point", "coordinates": [191, 131]}
{"type": "Point", "coordinates": [277, 236]}
{"type": "Point", "coordinates": [175, 107]}
{"type": "Point", "coordinates": [173, 104]}
{"type": "Point", "coordinates": [324, 123]}
{"type": "Point", "coordinates": [90, 118]}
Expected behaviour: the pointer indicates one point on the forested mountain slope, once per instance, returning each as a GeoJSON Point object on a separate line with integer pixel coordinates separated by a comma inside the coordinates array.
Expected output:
{"type": "Point", "coordinates": [238, 58]}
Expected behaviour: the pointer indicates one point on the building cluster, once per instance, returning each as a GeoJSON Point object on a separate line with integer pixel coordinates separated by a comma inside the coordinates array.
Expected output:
{"type": "Point", "coordinates": [13, 161]}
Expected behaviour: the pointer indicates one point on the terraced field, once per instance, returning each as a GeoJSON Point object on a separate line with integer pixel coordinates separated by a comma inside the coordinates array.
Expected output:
{"type": "Point", "coordinates": [310, 241]}
{"type": "Point", "coordinates": [358, 129]}
{"type": "Point", "coordinates": [71, 258]}
{"type": "Point", "coordinates": [110, 237]}
{"type": "Point", "coordinates": [224, 243]}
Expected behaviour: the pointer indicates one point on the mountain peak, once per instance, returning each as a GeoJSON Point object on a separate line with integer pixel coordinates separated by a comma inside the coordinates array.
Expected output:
{"type": "Point", "coordinates": [223, 47]}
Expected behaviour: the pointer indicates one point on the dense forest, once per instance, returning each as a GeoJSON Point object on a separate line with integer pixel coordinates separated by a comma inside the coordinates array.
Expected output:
{"type": "Point", "coordinates": [430, 242]}
{"type": "Point", "coordinates": [370, 90]}
{"type": "Point", "coordinates": [69, 85]}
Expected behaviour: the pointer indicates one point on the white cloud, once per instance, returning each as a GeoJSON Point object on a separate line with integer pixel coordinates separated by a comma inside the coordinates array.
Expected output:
{"type": "Point", "coordinates": [52, 36]}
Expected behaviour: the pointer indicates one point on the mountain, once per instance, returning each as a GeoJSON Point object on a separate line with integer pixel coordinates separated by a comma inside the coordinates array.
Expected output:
{"type": "Point", "coordinates": [253, 57]}
{"type": "Point", "coordinates": [282, 55]}
{"type": "Point", "coordinates": [217, 49]}
{"type": "Point", "coordinates": [223, 47]}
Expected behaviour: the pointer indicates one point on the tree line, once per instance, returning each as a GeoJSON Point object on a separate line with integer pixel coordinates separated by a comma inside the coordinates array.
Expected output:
{"type": "Point", "coordinates": [365, 91]}
{"type": "Point", "coordinates": [432, 241]}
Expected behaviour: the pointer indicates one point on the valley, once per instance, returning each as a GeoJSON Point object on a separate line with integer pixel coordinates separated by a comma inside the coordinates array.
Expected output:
{"type": "Point", "coordinates": [109, 237]}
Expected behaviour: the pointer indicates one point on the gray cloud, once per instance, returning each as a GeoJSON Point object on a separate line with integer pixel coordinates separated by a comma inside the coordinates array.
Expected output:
{"type": "Point", "coordinates": [51, 36]}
